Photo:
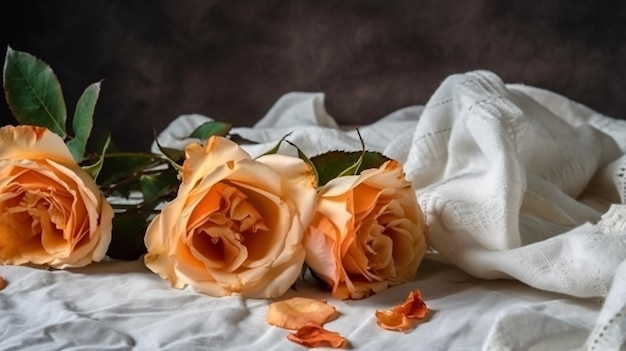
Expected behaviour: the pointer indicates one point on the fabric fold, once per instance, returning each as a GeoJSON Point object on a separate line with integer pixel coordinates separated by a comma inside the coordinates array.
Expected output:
{"type": "Point", "coordinates": [511, 178]}
{"type": "Point", "coordinates": [516, 182]}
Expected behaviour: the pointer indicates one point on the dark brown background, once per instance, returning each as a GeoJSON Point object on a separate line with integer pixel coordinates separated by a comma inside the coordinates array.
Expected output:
{"type": "Point", "coordinates": [232, 59]}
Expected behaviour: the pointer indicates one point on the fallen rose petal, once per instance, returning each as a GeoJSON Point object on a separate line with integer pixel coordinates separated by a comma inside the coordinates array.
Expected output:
{"type": "Point", "coordinates": [393, 321]}
{"type": "Point", "coordinates": [296, 312]}
{"type": "Point", "coordinates": [313, 335]}
{"type": "Point", "coordinates": [3, 283]}
{"type": "Point", "coordinates": [404, 316]}
{"type": "Point", "coordinates": [414, 306]}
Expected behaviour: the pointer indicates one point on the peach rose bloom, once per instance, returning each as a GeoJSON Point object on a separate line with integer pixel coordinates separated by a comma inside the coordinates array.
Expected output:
{"type": "Point", "coordinates": [368, 233]}
{"type": "Point", "coordinates": [236, 224]}
{"type": "Point", "coordinates": [51, 211]}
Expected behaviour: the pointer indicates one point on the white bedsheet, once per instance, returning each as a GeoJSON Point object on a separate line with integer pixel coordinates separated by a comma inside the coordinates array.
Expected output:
{"type": "Point", "coordinates": [123, 306]}
{"type": "Point", "coordinates": [548, 168]}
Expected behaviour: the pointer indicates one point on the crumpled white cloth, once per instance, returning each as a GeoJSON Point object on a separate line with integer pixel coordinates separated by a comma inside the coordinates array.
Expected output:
{"type": "Point", "coordinates": [514, 182]}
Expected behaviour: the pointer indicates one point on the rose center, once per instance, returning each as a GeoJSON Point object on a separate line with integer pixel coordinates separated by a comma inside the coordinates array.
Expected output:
{"type": "Point", "coordinates": [26, 214]}
{"type": "Point", "coordinates": [220, 232]}
{"type": "Point", "coordinates": [377, 246]}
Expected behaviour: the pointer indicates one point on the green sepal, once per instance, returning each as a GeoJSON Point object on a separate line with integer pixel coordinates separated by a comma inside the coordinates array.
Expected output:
{"type": "Point", "coordinates": [94, 168]}
{"type": "Point", "coordinates": [276, 147]}
{"type": "Point", "coordinates": [174, 156]}
{"type": "Point", "coordinates": [33, 92]}
{"type": "Point", "coordinates": [82, 123]}
{"type": "Point", "coordinates": [305, 158]}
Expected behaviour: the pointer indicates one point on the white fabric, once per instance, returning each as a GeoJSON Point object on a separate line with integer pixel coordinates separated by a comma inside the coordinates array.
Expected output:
{"type": "Point", "coordinates": [516, 183]}
{"type": "Point", "coordinates": [123, 306]}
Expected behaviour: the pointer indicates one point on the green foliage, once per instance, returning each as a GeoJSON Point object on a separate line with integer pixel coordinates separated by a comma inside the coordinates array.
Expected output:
{"type": "Point", "coordinates": [174, 156]}
{"type": "Point", "coordinates": [155, 186]}
{"type": "Point", "coordinates": [94, 168]}
{"type": "Point", "coordinates": [121, 171]}
{"type": "Point", "coordinates": [34, 96]}
{"type": "Point", "coordinates": [33, 92]}
{"type": "Point", "coordinates": [211, 128]}
{"type": "Point", "coordinates": [127, 239]}
{"type": "Point", "coordinates": [82, 123]}
{"type": "Point", "coordinates": [333, 164]}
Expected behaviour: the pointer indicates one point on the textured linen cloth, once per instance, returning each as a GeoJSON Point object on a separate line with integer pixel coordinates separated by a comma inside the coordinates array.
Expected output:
{"type": "Point", "coordinates": [513, 179]}
{"type": "Point", "coordinates": [522, 190]}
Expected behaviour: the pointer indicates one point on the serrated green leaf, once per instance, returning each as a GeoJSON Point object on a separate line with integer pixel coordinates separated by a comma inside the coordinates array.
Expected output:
{"type": "Point", "coordinates": [33, 92]}
{"type": "Point", "coordinates": [94, 169]}
{"type": "Point", "coordinates": [127, 239]}
{"type": "Point", "coordinates": [208, 129]}
{"type": "Point", "coordinates": [82, 123]}
{"type": "Point", "coordinates": [332, 164]}
{"type": "Point", "coordinates": [354, 169]}
{"type": "Point", "coordinates": [155, 186]}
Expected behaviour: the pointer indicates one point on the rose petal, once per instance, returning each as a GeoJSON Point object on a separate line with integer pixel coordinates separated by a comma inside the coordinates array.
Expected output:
{"type": "Point", "coordinates": [393, 321]}
{"type": "Point", "coordinates": [313, 335]}
{"type": "Point", "coordinates": [414, 306]}
{"type": "Point", "coordinates": [3, 283]}
{"type": "Point", "coordinates": [297, 312]}
{"type": "Point", "coordinates": [404, 316]}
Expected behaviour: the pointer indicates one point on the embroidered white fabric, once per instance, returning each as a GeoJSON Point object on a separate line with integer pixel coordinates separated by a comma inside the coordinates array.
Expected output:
{"type": "Point", "coordinates": [516, 183]}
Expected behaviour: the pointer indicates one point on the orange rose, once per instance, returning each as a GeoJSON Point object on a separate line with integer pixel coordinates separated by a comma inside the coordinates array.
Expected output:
{"type": "Point", "coordinates": [368, 233]}
{"type": "Point", "coordinates": [236, 224]}
{"type": "Point", "coordinates": [51, 211]}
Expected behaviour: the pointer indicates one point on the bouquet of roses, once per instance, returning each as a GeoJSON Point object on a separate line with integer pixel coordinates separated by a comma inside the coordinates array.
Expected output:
{"type": "Point", "coordinates": [209, 216]}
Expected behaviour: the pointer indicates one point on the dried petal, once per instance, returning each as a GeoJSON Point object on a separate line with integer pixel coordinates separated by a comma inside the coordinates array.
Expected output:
{"type": "Point", "coordinates": [297, 312]}
{"type": "Point", "coordinates": [404, 316]}
{"type": "Point", "coordinates": [3, 283]}
{"type": "Point", "coordinates": [313, 335]}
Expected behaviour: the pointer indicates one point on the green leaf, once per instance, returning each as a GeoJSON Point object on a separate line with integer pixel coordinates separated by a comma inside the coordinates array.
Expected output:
{"type": "Point", "coordinates": [354, 169]}
{"type": "Point", "coordinates": [83, 120]}
{"type": "Point", "coordinates": [211, 128]}
{"type": "Point", "coordinates": [332, 164]}
{"type": "Point", "coordinates": [122, 166]}
{"type": "Point", "coordinates": [155, 186]}
{"type": "Point", "coordinates": [33, 92]}
{"type": "Point", "coordinates": [94, 169]}
{"type": "Point", "coordinates": [241, 140]}
{"type": "Point", "coordinates": [172, 155]}
{"type": "Point", "coordinates": [127, 239]}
